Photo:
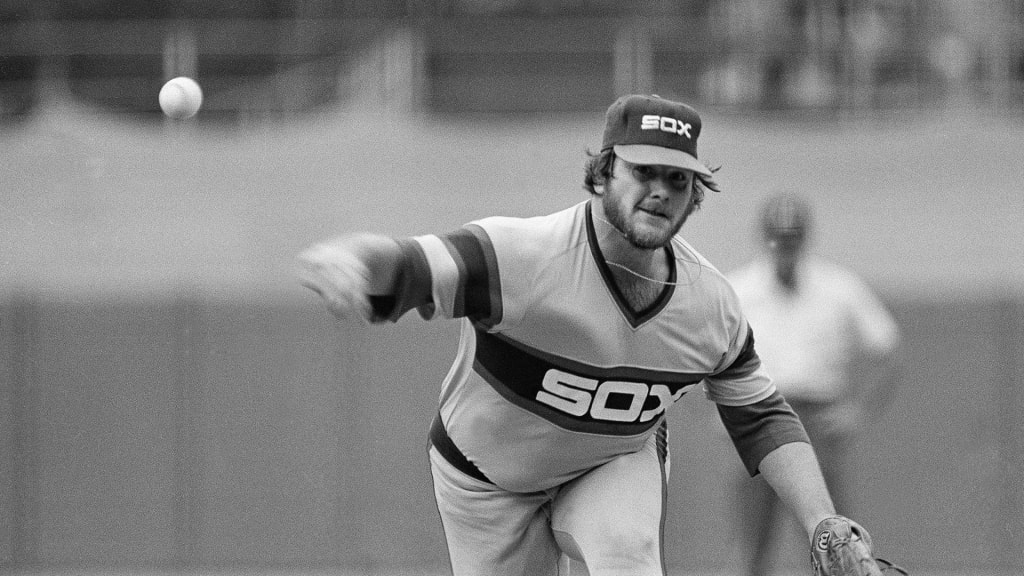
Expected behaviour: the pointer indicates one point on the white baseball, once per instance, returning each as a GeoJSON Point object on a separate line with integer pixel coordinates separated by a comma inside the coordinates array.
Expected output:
{"type": "Point", "coordinates": [181, 97]}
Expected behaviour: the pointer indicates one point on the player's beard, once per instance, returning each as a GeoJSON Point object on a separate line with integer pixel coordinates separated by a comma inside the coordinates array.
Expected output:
{"type": "Point", "coordinates": [645, 238]}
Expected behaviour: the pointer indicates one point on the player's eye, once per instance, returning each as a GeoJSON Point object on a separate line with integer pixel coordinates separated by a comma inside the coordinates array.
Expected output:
{"type": "Point", "coordinates": [679, 179]}
{"type": "Point", "coordinates": [642, 172]}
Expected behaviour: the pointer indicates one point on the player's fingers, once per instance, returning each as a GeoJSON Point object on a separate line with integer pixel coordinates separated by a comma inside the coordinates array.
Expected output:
{"type": "Point", "coordinates": [350, 308]}
{"type": "Point", "coordinates": [339, 277]}
{"type": "Point", "coordinates": [311, 283]}
{"type": "Point", "coordinates": [313, 278]}
{"type": "Point", "coordinates": [345, 299]}
{"type": "Point", "coordinates": [343, 292]}
{"type": "Point", "coordinates": [334, 263]}
{"type": "Point", "coordinates": [344, 305]}
{"type": "Point", "coordinates": [322, 274]}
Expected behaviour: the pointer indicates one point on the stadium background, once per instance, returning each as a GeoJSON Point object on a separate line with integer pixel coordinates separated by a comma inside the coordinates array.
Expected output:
{"type": "Point", "coordinates": [171, 401]}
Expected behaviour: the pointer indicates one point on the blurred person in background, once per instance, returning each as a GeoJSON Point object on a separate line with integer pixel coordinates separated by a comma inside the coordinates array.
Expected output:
{"type": "Point", "coordinates": [829, 344]}
{"type": "Point", "coordinates": [579, 330]}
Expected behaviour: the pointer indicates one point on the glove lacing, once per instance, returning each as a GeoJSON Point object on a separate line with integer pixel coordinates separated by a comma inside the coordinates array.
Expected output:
{"type": "Point", "coordinates": [883, 564]}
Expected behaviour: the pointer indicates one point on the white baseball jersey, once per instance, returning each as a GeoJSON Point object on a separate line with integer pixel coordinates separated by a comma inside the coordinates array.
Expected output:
{"type": "Point", "coordinates": [555, 374]}
{"type": "Point", "coordinates": [807, 338]}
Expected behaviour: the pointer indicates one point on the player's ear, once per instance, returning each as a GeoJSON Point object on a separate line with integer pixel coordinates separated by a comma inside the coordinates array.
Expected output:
{"type": "Point", "coordinates": [601, 181]}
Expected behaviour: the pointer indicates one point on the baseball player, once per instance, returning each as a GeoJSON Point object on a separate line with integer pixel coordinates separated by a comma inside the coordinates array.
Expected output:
{"type": "Point", "coordinates": [817, 323]}
{"type": "Point", "coordinates": [578, 330]}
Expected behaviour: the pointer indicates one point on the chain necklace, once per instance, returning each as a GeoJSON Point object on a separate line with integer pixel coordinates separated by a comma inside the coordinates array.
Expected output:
{"type": "Point", "coordinates": [639, 275]}
{"type": "Point", "coordinates": [627, 268]}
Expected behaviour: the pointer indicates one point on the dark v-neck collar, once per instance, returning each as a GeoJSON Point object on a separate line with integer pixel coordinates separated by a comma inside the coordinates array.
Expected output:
{"type": "Point", "coordinates": [635, 317]}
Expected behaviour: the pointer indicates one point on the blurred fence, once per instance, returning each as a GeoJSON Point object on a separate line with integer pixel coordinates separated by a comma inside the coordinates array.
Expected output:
{"type": "Point", "coordinates": [187, 433]}
{"type": "Point", "coordinates": [520, 56]}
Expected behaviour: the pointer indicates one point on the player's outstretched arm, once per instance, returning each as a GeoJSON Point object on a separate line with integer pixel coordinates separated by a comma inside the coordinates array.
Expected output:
{"type": "Point", "coordinates": [345, 271]}
{"type": "Point", "coordinates": [792, 470]}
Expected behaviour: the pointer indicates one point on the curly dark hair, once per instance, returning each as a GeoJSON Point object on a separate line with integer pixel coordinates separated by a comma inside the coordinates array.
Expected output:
{"type": "Point", "coordinates": [598, 168]}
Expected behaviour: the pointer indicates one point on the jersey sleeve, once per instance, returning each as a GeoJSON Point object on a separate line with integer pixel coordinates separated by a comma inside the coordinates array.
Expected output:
{"type": "Point", "coordinates": [743, 379]}
{"type": "Point", "coordinates": [453, 275]}
{"type": "Point", "coordinates": [759, 428]}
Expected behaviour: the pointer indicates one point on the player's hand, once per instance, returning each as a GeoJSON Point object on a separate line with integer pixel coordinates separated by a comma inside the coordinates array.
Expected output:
{"type": "Point", "coordinates": [331, 270]}
{"type": "Point", "coordinates": [842, 547]}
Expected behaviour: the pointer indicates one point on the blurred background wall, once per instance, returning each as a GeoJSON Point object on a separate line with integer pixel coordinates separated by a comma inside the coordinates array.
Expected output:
{"type": "Point", "coordinates": [170, 399]}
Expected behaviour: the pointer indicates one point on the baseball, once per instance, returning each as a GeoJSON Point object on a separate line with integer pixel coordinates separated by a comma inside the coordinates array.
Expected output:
{"type": "Point", "coordinates": [181, 97]}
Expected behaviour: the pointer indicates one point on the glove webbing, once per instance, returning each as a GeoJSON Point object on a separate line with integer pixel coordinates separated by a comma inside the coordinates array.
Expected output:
{"type": "Point", "coordinates": [884, 564]}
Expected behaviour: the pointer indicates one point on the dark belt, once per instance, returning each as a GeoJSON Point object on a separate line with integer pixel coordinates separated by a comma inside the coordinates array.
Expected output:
{"type": "Point", "coordinates": [440, 439]}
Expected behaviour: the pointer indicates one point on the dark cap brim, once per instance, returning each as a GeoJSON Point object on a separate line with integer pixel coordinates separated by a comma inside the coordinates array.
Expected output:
{"type": "Point", "coordinates": [648, 154]}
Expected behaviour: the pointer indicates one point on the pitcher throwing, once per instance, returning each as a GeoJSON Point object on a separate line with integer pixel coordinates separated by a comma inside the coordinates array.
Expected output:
{"type": "Point", "coordinates": [579, 330]}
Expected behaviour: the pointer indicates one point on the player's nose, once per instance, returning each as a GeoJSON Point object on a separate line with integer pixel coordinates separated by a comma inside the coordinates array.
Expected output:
{"type": "Point", "coordinates": [659, 188]}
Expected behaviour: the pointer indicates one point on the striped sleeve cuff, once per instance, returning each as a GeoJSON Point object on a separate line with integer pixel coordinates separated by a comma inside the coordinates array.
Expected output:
{"type": "Point", "coordinates": [759, 428]}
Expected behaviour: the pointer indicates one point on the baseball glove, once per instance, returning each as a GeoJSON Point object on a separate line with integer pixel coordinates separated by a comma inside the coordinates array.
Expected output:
{"type": "Point", "coordinates": [841, 547]}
